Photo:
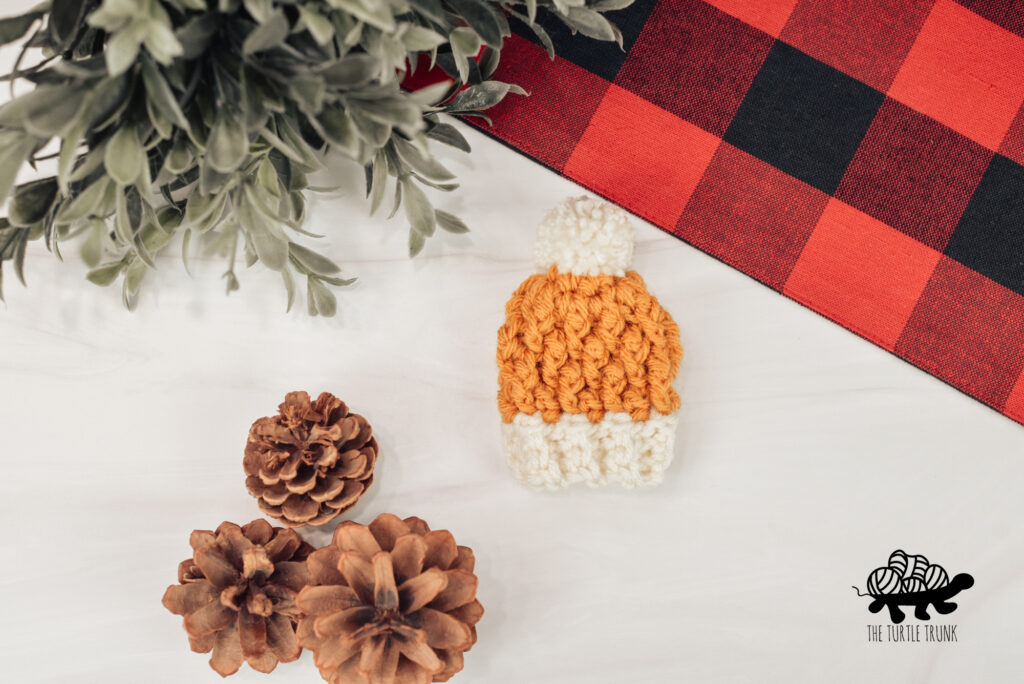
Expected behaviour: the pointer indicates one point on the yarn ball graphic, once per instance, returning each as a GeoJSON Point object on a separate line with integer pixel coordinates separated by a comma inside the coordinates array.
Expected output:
{"type": "Point", "coordinates": [910, 580]}
{"type": "Point", "coordinates": [884, 581]}
{"type": "Point", "coordinates": [935, 576]}
{"type": "Point", "coordinates": [912, 585]}
{"type": "Point", "coordinates": [898, 561]}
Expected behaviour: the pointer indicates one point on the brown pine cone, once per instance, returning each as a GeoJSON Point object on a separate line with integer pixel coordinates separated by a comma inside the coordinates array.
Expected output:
{"type": "Point", "coordinates": [237, 593]}
{"type": "Point", "coordinates": [389, 602]}
{"type": "Point", "coordinates": [310, 462]}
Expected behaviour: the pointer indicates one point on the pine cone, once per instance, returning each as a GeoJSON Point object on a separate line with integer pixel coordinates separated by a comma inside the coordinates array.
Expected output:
{"type": "Point", "coordinates": [389, 602]}
{"type": "Point", "coordinates": [310, 462]}
{"type": "Point", "coordinates": [237, 594]}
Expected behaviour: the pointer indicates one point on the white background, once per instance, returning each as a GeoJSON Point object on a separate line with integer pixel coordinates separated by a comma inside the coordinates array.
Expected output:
{"type": "Point", "coordinates": [805, 455]}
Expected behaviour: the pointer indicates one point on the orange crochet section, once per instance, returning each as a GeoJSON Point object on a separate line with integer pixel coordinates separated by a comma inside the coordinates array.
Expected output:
{"type": "Point", "coordinates": [586, 344]}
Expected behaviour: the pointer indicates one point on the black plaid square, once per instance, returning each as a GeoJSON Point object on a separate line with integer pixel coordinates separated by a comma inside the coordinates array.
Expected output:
{"type": "Point", "coordinates": [990, 235]}
{"type": "Point", "coordinates": [804, 117]}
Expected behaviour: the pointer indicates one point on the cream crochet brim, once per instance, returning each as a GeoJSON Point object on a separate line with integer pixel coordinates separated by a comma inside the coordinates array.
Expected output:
{"type": "Point", "coordinates": [617, 448]}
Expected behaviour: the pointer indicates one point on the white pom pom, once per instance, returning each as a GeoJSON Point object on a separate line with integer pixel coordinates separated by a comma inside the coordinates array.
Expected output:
{"type": "Point", "coordinates": [586, 236]}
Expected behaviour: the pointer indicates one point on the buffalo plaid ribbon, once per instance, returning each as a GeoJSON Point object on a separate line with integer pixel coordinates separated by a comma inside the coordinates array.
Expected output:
{"type": "Point", "coordinates": [863, 157]}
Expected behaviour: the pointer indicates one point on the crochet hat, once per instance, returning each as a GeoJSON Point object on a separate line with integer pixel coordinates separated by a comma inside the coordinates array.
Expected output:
{"type": "Point", "coordinates": [586, 359]}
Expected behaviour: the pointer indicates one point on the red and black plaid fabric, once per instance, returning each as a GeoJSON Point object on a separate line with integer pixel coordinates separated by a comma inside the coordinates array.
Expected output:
{"type": "Point", "coordinates": [863, 157]}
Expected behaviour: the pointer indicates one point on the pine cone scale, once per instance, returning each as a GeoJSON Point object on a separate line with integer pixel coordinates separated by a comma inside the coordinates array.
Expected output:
{"type": "Point", "coordinates": [311, 462]}
{"type": "Point", "coordinates": [417, 592]}
{"type": "Point", "coordinates": [324, 600]}
{"type": "Point", "coordinates": [407, 554]}
{"type": "Point", "coordinates": [182, 599]}
{"type": "Point", "coordinates": [376, 610]}
{"type": "Point", "coordinates": [444, 631]}
{"type": "Point", "coordinates": [385, 592]}
{"type": "Point", "coordinates": [210, 618]}
{"type": "Point", "coordinates": [281, 638]}
{"type": "Point", "coordinates": [216, 567]}
{"type": "Point", "coordinates": [460, 590]}
{"type": "Point", "coordinates": [227, 652]}
{"type": "Point", "coordinates": [238, 596]}
{"type": "Point", "coordinates": [327, 489]}
{"type": "Point", "coordinates": [252, 634]}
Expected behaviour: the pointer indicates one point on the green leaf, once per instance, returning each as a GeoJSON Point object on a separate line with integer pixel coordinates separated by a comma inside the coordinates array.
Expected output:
{"type": "Point", "coordinates": [338, 129]}
{"type": "Point", "coordinates": [260, 10]}
{"type": "Point", "coordinates": [322, 300]}
{"type": "Point", "coordinates": [378, 181]}
{"type": "Point", "coordinates": [373, 12]}
{"type": "Point", "coordinates": [124, 156]}
{"type": "Point", "coordinates": [483, 18]}
{"type": "Point", "coordinates": [417, 208]}
{"type": "Point", "coordinates": [308, 91]}
{"type": "Point", "coordinates": [372, 131]}
{"type": "Point", "coordinates": [289, 286]}
{"type": "Point", "coordinates": [12, 156]}
{"type": "Point", "coordinates": [105, 275]}
{"type": "Point", "coordinates": [429, 96]}
{"type": "Point", "coordinates": [123, 47]}
{"type": "Point", "coordinates": [313, 262]}
{"type": "Point", "coordinates": [13, 28]}
{"type": "Point", "coordinates": [450, 222]}
{"type": "Point", "coordinates": [351, 71]}
{"type": "Point", "coordinates": [161, 42]}
{"type": "Point", "coordinates": [319, 26]}
{"type": "Point", "coordinates": [465, 44]}
{"type": "Point", "coordinates": [609, 5]}
{"type": "Point", "coordinates": [272, 251]}
{"type": "Point", "coordinates": [69, 146]}
{"type": "Point", "coordinates": [531, 10]}
{"type": "Point", "coordinates": [449, 135]}
{"type": "Point", "coordinates": [195, 34]}
{"type": "Point", "coordinates": [91, 250]}
{"type": "Point", "coordinates": [179, 159]}
{"type": "Point", "coordinates": [161, 94]}
{"type": "Point", "coordinates": [228, 144]}
{"type": "Point", "coordinates": [431, 9]}
{"type": "Point", "coordinates": [416, 242]}
{"type": "Point", "coordinates": [267, 35]}
{"type": "Point", "coordinates": [84, 204]}
{"type": "Point", "coordinates": [589, 23]}
{"type": "Point", "coordinates": [482, 96]}
{"type": "Point", "coordinates": [423, 164]}
{"type": "Point", "coordinates": [32, 201]}
{"type": "Point", "coordinates": [538, 31]}
{"type": "Point", "coordinates": [48, 109]}
{"type": "Point", "coordinates": [421, 39]}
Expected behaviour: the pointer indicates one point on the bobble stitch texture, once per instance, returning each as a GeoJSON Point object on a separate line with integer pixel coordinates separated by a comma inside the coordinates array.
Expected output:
{"type": "Point", "coordinates": [586, 359]}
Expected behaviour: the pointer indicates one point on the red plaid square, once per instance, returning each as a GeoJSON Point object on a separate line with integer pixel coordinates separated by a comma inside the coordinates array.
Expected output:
{"type": "Point", "coordinates": [965, 72]}
{"type": "Point", "coordinates": [1015, 402]}
{"type": "Point", "coordinates": [867, 40]}
{"type": "Point", "coordinates": [770, 17]}
{"type": "Point", "coordinates": [914, 174]}
{"type": "Point", "coordinates": [1013, 143]}
{"type": "Point", "coordinates": [751, 215]}
{"type": "Point", "coordinates": [860, 271]}
{"type": "Point", "coordinates": [611, 156]}
{"type": "Point", "coordinates": [969, 331]}
{"type": "Point", "coordinates": [1007, 13]}
{"type": "Point", "coordinates": [538, 124]}
{"type": "Point", "coordinates": [695, 61]}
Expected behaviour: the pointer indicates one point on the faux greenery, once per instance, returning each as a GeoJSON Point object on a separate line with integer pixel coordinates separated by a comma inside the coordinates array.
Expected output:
{"type": "Point", "coordinates": [203, 118]}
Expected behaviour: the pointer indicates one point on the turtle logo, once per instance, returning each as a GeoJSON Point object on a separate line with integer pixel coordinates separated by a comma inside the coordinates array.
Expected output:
{"type": "Point", "coordinates": [910, 580]}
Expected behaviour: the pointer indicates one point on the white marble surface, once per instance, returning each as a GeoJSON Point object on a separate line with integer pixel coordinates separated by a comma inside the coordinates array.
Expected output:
{"type": "Point", "coordinates": [805, 455]}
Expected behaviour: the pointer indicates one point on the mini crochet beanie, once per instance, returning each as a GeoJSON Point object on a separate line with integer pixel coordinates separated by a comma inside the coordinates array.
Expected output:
{"type": "Point", "coordinates": [586, 359]}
